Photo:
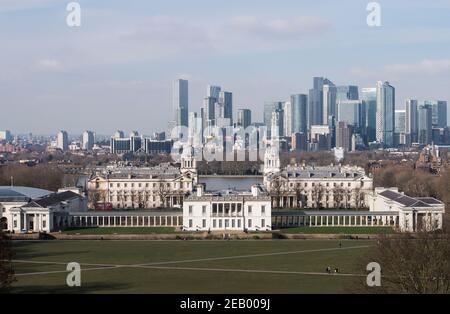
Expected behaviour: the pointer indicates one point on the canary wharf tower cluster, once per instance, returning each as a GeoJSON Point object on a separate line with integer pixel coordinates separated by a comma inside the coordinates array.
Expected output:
{"type": "Point", "coordinates": [328, 116]}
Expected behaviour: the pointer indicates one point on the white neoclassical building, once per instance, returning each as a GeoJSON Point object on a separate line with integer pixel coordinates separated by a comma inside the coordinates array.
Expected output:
{"type": "Point", "coordinates": [414, 213]}
{"type": "Point", "coordinates": [35, 210]}
{"type": "Point", "coordinates": [154, 187]}
{"type": "Point", "coordinates": [227, 210]}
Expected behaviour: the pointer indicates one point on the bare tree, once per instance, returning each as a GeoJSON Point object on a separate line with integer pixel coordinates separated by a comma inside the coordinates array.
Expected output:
{"type": "Point", "coordinates": [299, 190]}
{"type": "Point", "coordinates": [6, 268]}
{"type": "Point", "coordinates": [338, 195]}
{"type": "Point", "coordinates": [359, 198]}
{"type": "Point", "coordinates": [163, 192]}
{"type": "Point", "coordinates": [418, 263]}
{"type": "Point", "coordinates": [276, 191]}
{"type": "Point", "coordinates": [318, 192]}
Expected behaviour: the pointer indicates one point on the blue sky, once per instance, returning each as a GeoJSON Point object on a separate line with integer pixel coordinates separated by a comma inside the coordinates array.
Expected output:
{"type": "Point", "coordinates": [116, 70]}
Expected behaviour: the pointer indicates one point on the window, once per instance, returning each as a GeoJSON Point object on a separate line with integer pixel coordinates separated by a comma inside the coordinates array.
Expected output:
{"type": "Point", "coordinates": [125, 185]}
{"type": "Point", "coordinates": [233, 223]}
{"type": "Point", "coordinates": [263, 223]}
{"type": "Point", "coordinates": [239, 223]}
{"type": "Point", "coordinates": [190, 223]}
{"type": "Point", "coordinates": [118, 185]}
{"type": "Point", "coordinates": [44, 224]}
{"type": "Point", "coordinates": [220, 223]}
{"type": "Point", "coordinates": [227, 223]}
{"type": "Point", "coordinates": [139, 185]}
{"type": "Point", "coordinates": [190, 210]}
{"type": "Point", "coordinates": [249, 210]}
{"type": "Point", "coordinates": [146, 185]}
{"type": "Point", "coordinates": [249, 223]}
{"type": "Point", "coordinates": [263, 209]}
{"type": "Point", "coordinates": [204, 210]}
{"type": "Point", "coordinates": [111, 185]}
{"type": "Point", "coordinates": [15, 223]}
{"type": "Point", "coordinates": [204, 223]}
{"type": "Point", "coordinates": [214, 223]}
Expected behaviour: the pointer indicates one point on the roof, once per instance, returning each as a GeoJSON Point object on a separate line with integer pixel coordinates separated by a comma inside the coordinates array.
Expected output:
{"type": "Point", "coordinates": [408, 201]}
{"type": "Point", "coordinates": [140, 213]}
{"type": "Point", "coordinates": [327, 172]}
{"type": "Point", "coordinates": [21, 193]}
{"type": "Point", "coordinates": [56, 198]}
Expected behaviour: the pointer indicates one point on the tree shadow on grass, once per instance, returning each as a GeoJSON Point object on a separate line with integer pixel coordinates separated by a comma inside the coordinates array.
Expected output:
{"type": "Point", "coordinates": [94, 287]}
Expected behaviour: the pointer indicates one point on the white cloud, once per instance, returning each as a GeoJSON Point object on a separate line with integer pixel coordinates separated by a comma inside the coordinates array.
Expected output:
{"type": "Point", "coordinates": [426, 66]}
{"type": "Point", "coordinates": [49, 65]}
{"type": "Point", "coordinates": [18, 5]}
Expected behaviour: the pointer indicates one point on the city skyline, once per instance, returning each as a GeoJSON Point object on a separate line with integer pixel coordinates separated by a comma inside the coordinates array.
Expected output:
{"type": "Point", "coordinates": [117, 69]}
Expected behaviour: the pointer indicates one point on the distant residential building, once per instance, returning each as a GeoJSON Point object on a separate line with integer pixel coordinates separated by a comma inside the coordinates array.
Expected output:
{"type": "Point", "coordinates": [88, 140]}
{"type": "Point", "coordinates": [385, 114]}
{"type": "Point", "coordinates": [62, 141]}
{"type": "Point", "coordinates": [320, 137]}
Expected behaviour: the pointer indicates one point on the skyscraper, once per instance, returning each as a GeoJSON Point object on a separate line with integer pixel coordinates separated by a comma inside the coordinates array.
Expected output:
{"type": "Point", "coordinates": [226, 104]}
{"type": "Point", "coordinates": [369, 112]}
{"type": "Point", "coordinates": [400, 127]}
{"type": "Point", "coordinates": [315, 103]}
{"type": "Point", "coordinates": [287, 108]}
{"type": "Point", "coordinates": [213, 91]}
{"type": "Point", "coordinates": [299, 104]}
{"type": "Point", "coordinates": [329, 101]}
{"type": "Point", "coordinates": [385, 113]}
{"type": "Point", "coordinates": [349, 111]}
{"type": "Point", "coordinates": [439, 112]}
{"type": "Point", "coordinates": [411, 121]}
{"type": "Point", "coordinates": [425, 124]}
{"type": "Point", "coordinates": [181, 102]}
{"type": "Point", "coordinates": [344, 133]}
{"type": "Point", "coordinates": [347, 92]}
{"type": "Point", "coordinates": [87, 140]}
{"type": "Point", "coordinates": [244, 118]}
{"type": "Point", "coordinates": [62, 141]}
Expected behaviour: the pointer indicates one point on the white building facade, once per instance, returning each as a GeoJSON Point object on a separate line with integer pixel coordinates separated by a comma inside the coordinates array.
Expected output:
{"type": "Point", "coordinates": [228, 210]}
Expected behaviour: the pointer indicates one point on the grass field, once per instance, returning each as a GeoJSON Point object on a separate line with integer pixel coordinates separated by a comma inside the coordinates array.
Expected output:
{"type": "Point", "coordinates": [189, 266]}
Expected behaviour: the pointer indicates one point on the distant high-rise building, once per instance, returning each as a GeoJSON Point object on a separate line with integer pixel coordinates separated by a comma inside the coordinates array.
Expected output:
{"type": "Point", "coordinates": [299, 104]}
{"type": "Point", "coordinates": [329, 101]}
{"type": "Point", "coordinates": [287, 108]}
{"type": "Point", "coordinates": [347, 92]}
{"type": "Point", "coordinates": [369, 113]}
{"type": "Point", "coordinates": [213, 91]}
{"type": "Point", "coordinates": [349, 111]}
{"type": "Point", "coordinates": [385, 113]}
{"type": "Point", "coordinates": [277, 124]}
{"type": "Point", "coordinates": [299, 142]}
{"type": "Point", "coordinates": [244, 118]}
{"type": "Point", "coordinates": [400, 127]}
{"type": "Point", "coordinates": [5, 136]}
{"type": "Point", "coordinates": [344, 133]}
{"type": "Point", "coordinates": [411, 121]}
{"type": "Point", "coordinates": [88, 139]}
{"type": "Point", "coordinates": [62, 140]}
{"type": "Point", "coordinates": [181, 102]}
{"type": "Point", "coordinates": [209, 108]}
{"type": "Point", "coordinates": [315, 103]}
{"type": "Point", "coordinates": [226, 103]}
{"type": "Point", "coordinates": [119, 134]}
{"type": "Point", "coordinates": [439, 112]}
{"type": "Point", "coordinates": [425, 124]}
{"type": "Point", "coordinates": [270, 107]}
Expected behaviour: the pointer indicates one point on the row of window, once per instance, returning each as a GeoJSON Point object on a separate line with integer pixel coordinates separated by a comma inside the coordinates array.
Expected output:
{"type": "Point", "coordinates": [227, 223]}
{"type": "Point", "coordinates": [313, 184]}
{"type": "Point", "coordinates": [147, 185]}
{"type": "Point", "coordinates": [226, 209]}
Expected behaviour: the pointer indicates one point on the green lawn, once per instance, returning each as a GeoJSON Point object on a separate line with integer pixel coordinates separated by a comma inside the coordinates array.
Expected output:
{"type": "Point", "coordinates": [120, 230]}
{"type": "Point", "coordinates": [338, 230]}
{"type": "Point", "coordinates": [190, 266]}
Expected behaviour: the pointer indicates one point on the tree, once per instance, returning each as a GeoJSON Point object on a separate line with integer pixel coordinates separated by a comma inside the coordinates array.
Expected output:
{"type": "Point", "coordinates": [418, 263]}
{"type": "Point", "coordinates": [318, 192]}
{"type": "Point", "coordinates": [338, 195]}
{"type": "Point", "coordinates": [298, 190]}
{"type": "Point", "coordinates": [6, 269]}
{"type": "Point", "coordinates": [359, 198]}
{"type": "Point", "coordinates": [163, 192]}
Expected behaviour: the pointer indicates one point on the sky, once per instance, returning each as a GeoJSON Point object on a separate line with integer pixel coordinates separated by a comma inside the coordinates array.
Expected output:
{"type": "Point", "coordinates": [116, 70]}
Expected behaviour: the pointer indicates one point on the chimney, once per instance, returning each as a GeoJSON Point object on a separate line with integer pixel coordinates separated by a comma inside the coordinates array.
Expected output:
{"type": "Point", "coordinates": [200, 190]}
{"type": "Point", "coordinates": [255, 190]}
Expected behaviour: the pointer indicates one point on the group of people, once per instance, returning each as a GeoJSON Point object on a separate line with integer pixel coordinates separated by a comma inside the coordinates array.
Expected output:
{"type": "Point", "coordinates": [330, 270]}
